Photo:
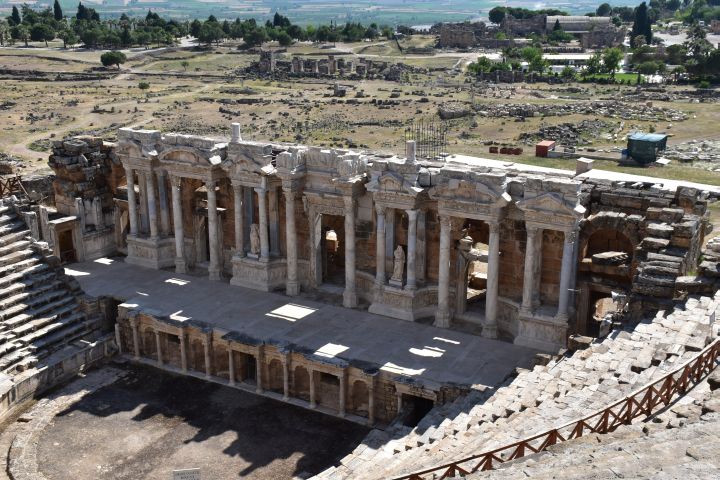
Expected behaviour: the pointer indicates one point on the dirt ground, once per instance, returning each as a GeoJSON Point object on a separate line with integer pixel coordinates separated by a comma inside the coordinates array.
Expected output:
{"type": "Point", "coordinates": [149, 423]}
{"type": "Point", "coordinates": [205, 95]}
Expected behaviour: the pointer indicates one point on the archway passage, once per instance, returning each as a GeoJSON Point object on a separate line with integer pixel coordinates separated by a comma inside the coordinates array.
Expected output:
{"type": "Point", "coordinates": [301, 383]}
{"type": "Point", "coordinates": [333, 249]}
{"type": "Point", "coordinates": [360, 398]}
{"type": "Point", "coordinates": [608, 240]}
{"type": "Point", "coordinates": [414, 409]}
{"type": "Point", "coordinates": [67, 246]}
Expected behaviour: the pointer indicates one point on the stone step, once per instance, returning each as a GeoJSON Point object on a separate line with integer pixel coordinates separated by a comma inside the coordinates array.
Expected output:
{"type": "Point", "coordinates": [26, 284]}
{"type": "Point", "coordinates": [15, 257]}
{"type": "Point", "coordinates": [40, 323]}
{"type": "Point", "coordinates": [53, 331]}
{"type": "Point", "coordinates": [20, 265]}
{"type": "Point", "coordinates": [14, 247]}
{"type": "Point", "coordinates": [14, 235]}
{"type": "Point", "coordinates": [44, 309]}
{"type": "Point", "coordinates": [28, 294]}
{"type": "Point", "coordinates": [23, 274]}
{"type": "Point", "coordinates": [7, 217]}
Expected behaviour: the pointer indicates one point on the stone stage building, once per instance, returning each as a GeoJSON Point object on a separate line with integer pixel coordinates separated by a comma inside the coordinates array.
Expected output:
{"type": "Point", "coordinates": [518, 252]}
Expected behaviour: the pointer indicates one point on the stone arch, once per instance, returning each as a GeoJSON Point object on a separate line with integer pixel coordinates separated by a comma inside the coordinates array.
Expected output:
{"type": "Point", "coordinates": [360, 398]}
{"type": "Point", "coordinates": [148, 345]}
{"type": "Point", "coordinates": [619, 230]}
{"type": "Point", "coordinates": [274, 381]}
{"type": "Point", "coordinates": [301, 383]}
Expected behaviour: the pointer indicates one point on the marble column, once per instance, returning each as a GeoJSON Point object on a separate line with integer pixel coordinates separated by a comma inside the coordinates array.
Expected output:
{"type": "Point", "coordinates": [164, 209]}
{"type": "Point", "coordinates": [286, 378]}
{"type": "Point", "coordinates": [493, 272]}
{"type": "Point", "coordinates": [442, 316]}
{"type": "Point", "coordinates": [136, 338]}
{"type": "Point", "coordinates": [258, 372]}
{"type": "Point", "coordinates": [214, 268]}
{"type": "Point", "coordinates": [412, 250]}
{"type": "Point", "coordinates": [341, 399]}
{"type": "Point", "coordinates": [565, 272]}
{"type": "Point", "coordinates": [421, 248]}
{"type": "Point", "coordinates": [118, 338]}
{"type": "Point", "coordinates": [176, 191]}
{"type": "Point", "coordinates": [132, 202]}
{"type": "Point", "coordinates": [206, 351]}
{"type": "Point", "coordinates": [371, 401]}
{"type": "Point", "coordinates": [151, 205]}
{"type": "Point", "coordinates": [231, 367]}
{"type": "Point", "coordinates": [263, 224]}
{"type": "Point", "coordinates": [313, 403]}
{"type": "Point", "coordinates": [274, 222]}
{"type": "Point", "coordinates": [239, 221]}
{"type": "Point", "coordinates": [529, 273]}
{"type": "Point", "coordinates": [144, 221]}
{"type": "Point", "coordinates": [183, 352]}
{"type": "Point", "coordinates": [349, 295]}
{"type": "Point", "coordinates": [292, 286]}
{"type": "Point", "coordinates": [158, 347]}
{"type": "Point", "coordinates": [380, 246]}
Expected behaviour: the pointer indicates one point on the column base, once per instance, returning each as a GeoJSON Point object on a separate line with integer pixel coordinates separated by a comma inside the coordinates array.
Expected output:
{"type": "Point", "coordinates": [541, 332]}
{"type": "Point", "coordinates": [180, 265]}
{"type": "Point", "coordinates": [214, 273]}
{"type": "Point", "coordinates": [155, 253]}
{"type": "Point", "coordinates": [350, 299]}
{"type": "Point", "coordinates": [489, 331]}
{"type": "Point", "coordinates": [442, 319]}
{"type": "Point", "coordinates": [253, 273]}
{"type": "Point", "coordinates": [404, 304]}
{"type": "Point", "coordinates": [292, 289]}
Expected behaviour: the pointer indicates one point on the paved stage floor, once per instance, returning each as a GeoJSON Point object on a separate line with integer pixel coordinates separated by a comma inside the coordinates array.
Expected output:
{"type": "Point", "coordinates": [423, 352]}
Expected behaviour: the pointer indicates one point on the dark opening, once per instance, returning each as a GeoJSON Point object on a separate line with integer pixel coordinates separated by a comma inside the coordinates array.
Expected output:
{"type": "Point", "coordinates": [414, 409]}
{"type": "Point", "coordinates": [67, 247]}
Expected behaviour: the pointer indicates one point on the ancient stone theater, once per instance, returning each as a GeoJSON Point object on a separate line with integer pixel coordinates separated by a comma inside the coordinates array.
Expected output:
{"type": "Point", "coordinates": [447, 292]}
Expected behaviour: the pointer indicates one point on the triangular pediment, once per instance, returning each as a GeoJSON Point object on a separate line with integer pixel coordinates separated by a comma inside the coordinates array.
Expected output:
{"type": "Point", "coordinates": [550, 204]}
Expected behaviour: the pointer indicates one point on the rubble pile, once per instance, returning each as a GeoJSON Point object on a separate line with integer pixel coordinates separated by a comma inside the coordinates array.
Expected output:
{"type": "Point", "coordinates": [9, 164]}
{"type": "Point", "coordinates": [568, 134]}
{"type": "Point", "coordinates": [694, 151]}
{"type": "Point", "coordinates": [604, 108]}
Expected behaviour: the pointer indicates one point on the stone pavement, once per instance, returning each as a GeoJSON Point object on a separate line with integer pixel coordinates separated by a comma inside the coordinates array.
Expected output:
{"type": "Point", "coordinates": [422, 352]}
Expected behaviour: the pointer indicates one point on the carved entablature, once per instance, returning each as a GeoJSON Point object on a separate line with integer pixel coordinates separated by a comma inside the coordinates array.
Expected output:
{"type": "Point", "coordinates": [471, 196]}
{"type": "Point", "coordinates": [393, 190]}
{"type": "Point", "coordinates": [191, 162]}
{"type": "Point", "coordinates": [551, 211]}
{"type": "Point", "coordinates": [248, 157]}
{"type": "Point", "coordinates": [315, 204]}
{"type": "Point", "coordinates": [137, 149]}
{"type": "Point", "coordinates": [291, 168]}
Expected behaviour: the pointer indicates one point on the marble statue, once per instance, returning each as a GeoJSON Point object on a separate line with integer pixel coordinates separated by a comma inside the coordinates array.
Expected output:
{"type": "Point", "coordinates": [254, 239]}
{"type": "Point", "coordinates": [399, 264]}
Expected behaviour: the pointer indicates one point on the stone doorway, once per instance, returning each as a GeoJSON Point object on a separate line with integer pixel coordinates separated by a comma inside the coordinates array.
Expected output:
{"type": "Point", "coordinates": [333, 250]}
{"type": "Point", "coordinates": [67, 246]}
{"type": "Point", "coordinates": [413, 409]}
{"type": "Point", "coordinates": [472, 271]}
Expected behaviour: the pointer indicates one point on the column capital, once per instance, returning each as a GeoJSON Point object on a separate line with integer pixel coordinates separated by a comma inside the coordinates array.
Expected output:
{"type": "Point", "coordinates": [349, 201]}
{"type": "Point", "coordinates": [493, 226]}
{"type": "Point", "coordinates": [570, 235]}
{"type": "Point", "coordinates": [211, 184]}
{"type": "Point", "coordinates": [380, 209]}
{"type": "Point", "coordinates": [446, 221]}
{"type": "Point", "coordinates": [260, 190]}
{"type": "Point", "coordinates": [175, 180]}
{"type": "Point", "coordinates": [412, 213]}
{"type": "Point", "coordinates": [161, 172]}
{"type": "Point", "coordinates": [531, 230]}
{"type": "Point", "coordinates": [236, 187]}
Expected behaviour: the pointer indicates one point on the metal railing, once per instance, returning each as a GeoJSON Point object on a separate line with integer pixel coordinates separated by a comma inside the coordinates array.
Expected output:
{"type": "Point", "coordinates": [642, 402]}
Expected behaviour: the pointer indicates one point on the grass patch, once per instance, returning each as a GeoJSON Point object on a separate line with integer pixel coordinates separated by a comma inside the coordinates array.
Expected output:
{"type": "Point", "coordinates": [619, 77]}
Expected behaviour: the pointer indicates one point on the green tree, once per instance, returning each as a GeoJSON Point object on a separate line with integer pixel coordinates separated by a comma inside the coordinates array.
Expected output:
{"type": "Point", "coordinates": [255, 37]}
{"type": "Point", "coordinates": [594, 64]}
{"type": "Point", "coordinates": [611, 58]}
{"type": "Point", "coordinates": [41, 32]}
{"type": "Point", "coordinates": [185, 64]}
{"type": "Point", "coordinates": [642, 24]}
{"type": "Point", "coordinates": [647, 68]}
{"type": "Point", "coordinates": [481, 65]}
{"type": "Point", "coordinates": [604, 10]}
{"type": "Point", "coordinates": [57, 11]}
{"type": "Point", "coordinates": [21, 32]}
{"type": "Point", "coordinates": [497, 15]}
{"type": "Point", "coordinates": [283, 38]}
{"type": "Point", "coordinates": [211, 32]}
{"type": "Point", "coordinates": [113, 57]}
{"type": "Point", "coordinates": [568, 73]}
{"type": "Point", "coordinates": [533, 57]}
{"type": "Point", "coordinates": [68, 37]}
{"type": "Point", "coordinates": [15, 17]}
{"type": "Point", "coordinates": [4, 32]}
{"type": "Point", "coordinates": [143, 85]}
